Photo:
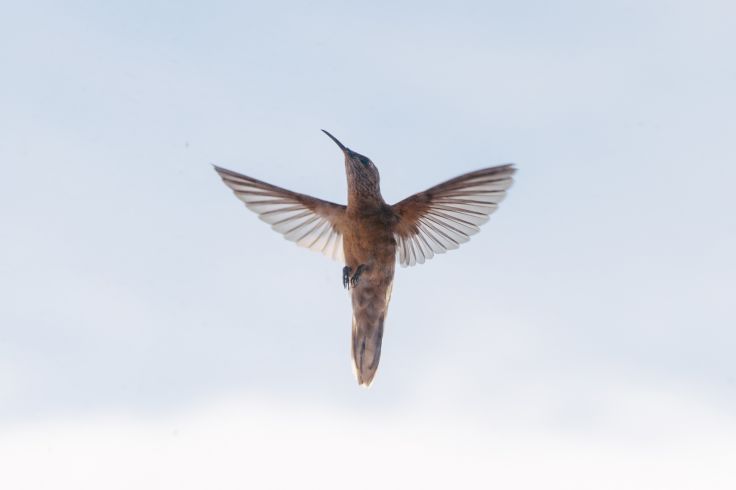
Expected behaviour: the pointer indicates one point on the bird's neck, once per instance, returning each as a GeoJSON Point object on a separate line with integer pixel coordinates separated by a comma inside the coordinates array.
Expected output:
{"type": "Point", "coordinates": [363, 193]}
{"type": "Point", "coordinates": [364, 199]}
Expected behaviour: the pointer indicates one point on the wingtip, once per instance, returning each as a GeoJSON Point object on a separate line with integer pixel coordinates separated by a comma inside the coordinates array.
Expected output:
{"type": "Point", "coordinates": [223, 172]}
{"type": "Point", "coordinates": [511, 168]}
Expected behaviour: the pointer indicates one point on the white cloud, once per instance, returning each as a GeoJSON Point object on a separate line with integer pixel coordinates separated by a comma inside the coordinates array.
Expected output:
{"type": "Point", "coordinates": [257, 444]}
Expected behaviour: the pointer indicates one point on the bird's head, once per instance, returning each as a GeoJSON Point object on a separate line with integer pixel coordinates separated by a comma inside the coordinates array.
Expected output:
{"type": "Point", "coordinates": [362, 174]}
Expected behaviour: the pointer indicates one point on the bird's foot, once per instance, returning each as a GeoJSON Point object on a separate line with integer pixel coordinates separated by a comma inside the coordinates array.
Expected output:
{"type": "Point", "coordinates": [346, 277]}
{"type": "Point", "coordinates": [350, 280]}
{"type": "Point", "coordinates": [356, 277]}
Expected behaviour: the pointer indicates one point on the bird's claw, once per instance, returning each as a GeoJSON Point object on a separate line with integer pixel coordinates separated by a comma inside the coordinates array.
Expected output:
{"type": "Point", "coordinates": [346, 277]}
{"type": "Point", "coordinates": [350, 280]}
{"type": "Point", "coordinates": [356, 277]}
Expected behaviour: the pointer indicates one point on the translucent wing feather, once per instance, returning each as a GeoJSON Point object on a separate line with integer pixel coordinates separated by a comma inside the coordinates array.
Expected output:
{"type": "Point", "coordinates": [445, 216]}
{"type": "Point", "coordinates": [308, 221]}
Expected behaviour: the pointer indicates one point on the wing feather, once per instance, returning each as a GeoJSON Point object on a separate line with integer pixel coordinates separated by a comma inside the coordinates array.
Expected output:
{"type": "Point", "coordinates": [305, 220]}
{"type": "Point", "coordinates": [447, 215]}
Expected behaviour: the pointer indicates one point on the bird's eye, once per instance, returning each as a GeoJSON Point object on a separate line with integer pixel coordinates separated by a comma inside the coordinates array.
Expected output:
{"type": "Point", "coordinates": [365, 161]}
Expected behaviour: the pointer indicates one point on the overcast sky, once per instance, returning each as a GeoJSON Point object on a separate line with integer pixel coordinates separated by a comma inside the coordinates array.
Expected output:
{"type": "Point", "coordinates": [155, 334]}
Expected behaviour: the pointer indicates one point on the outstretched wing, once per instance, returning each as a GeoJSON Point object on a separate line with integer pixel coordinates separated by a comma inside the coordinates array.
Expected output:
{"type": "Point", "coordinates": [443, 217]}
{"type": "Point", "coordinates": [308, 221]}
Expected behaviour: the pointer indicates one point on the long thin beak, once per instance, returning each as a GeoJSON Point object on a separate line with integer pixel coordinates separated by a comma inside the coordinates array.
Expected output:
{"type": "Point", "coordinates": [337, 142]}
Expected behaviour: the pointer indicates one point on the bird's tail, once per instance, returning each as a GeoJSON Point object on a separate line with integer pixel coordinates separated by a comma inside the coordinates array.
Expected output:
{"type": "Point", "coordinates": [370, 306]}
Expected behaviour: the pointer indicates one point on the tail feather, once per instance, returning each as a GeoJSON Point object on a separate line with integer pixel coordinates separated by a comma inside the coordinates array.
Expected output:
{"type": "Point", "coordinates": [370, 305]}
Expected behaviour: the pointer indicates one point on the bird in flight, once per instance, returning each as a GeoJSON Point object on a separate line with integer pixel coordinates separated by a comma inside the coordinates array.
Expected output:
{"type": "Point", "coordinates": [368, 235]}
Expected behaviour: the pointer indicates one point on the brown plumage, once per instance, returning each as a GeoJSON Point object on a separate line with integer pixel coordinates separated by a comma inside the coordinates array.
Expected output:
{"type": "Point", "coordinates": [368, 235]}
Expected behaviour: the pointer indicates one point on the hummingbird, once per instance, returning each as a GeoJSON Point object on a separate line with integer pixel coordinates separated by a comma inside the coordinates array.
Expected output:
{"type": "Point", "coordinates": [369, 236]}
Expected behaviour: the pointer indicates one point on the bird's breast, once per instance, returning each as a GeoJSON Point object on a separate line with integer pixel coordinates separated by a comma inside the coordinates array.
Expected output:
{"type": "Point", "coordinates": [368, 238]}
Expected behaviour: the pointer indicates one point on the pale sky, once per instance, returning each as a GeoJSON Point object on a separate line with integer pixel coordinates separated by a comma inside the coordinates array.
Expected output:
{"type": "Point", "coordinates": [155, 334]}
